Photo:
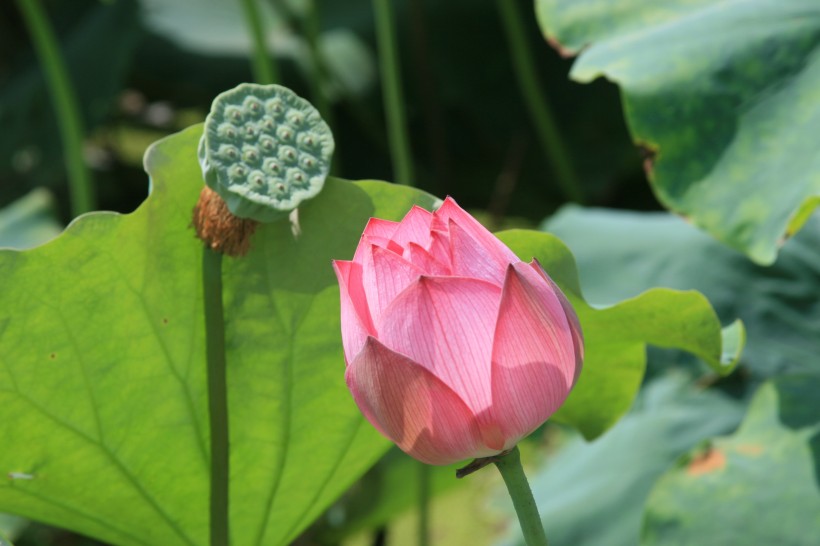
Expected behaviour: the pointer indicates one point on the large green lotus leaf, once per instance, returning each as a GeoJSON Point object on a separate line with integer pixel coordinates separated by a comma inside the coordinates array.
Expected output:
{"type": "Point", "coordinates": [759, 486]}
{"type": "Point", "coordinates": [621, 254]}
{"type": "Point", "coordinates": [593, 493]}
{"type": "Point", "coordinates": [722, 95]}
{"type": "Point", "coordinates": [25, 223]}
{"type": "Point", "coordinates": [616, 337]}
{"type": "Point", "coordinates": [102, 386]}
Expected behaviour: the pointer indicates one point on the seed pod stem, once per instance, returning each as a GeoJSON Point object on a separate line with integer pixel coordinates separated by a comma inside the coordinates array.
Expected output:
{"type": "Point", "coordinates": [264, 150]}
{"type": "Point", "coordinates": [217, 394]}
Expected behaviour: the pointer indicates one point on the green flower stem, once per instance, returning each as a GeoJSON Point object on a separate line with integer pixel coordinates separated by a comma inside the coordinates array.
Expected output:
{"type": "Point", "coordinates": [312, 30]}
{"type": "Point", "coordinates": [535, 97]}
{"type": "Point", "coordinates": [217, 394]}
{"type": "Point", "coordinates": [513, 473]}
{"type": "Point", "coordinates": [318, 83]}
{"type": "Point", "coordinates": [391, 88]}
{"type": "Point", "coordinates": [424, 504]}
{"type": "Point", "coordinates": [265, 70]}
{"type": "Point", "coordinates": [65, 105]}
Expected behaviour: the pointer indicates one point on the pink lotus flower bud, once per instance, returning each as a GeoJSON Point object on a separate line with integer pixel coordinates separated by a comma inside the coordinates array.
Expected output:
{"type": "Point", "coordinates": [454, 347]}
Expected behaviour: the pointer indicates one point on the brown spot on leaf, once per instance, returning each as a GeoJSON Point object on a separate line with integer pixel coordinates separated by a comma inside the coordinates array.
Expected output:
{"type": "Point", "coordinates": [53, 356]}
{"type": "Point", "coordinates": [564, 52]}
{"type": "Point", "coordinates": [648, 153]}
{"type": "Point", "coordinates": [750, 449]}
{"type": "Point", "coordinates": [706, 463]}
{"type": "Point", "coordinates": [165, 321]}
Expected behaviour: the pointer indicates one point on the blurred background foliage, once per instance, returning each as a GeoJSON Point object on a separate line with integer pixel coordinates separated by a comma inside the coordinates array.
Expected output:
{"type": "Point", "coordinates": [145, 69]}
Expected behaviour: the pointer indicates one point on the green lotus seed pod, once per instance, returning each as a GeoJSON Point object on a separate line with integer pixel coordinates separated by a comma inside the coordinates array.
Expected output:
{"type": "Point", "coordinates": [264, 150]}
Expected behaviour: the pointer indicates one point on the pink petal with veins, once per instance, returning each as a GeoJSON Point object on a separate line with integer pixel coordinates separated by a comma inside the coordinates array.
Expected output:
{"type": "Point", "coordinates": [414, 228]}
{"type": "Point", "coordinates": [470, 259]}
{"type": "Point", "coordinates": [451, 211]}
{"type": "Point", "coordinates": [440, 247]}
{"type": "Point", "coordinates": [534, 363]}
{"type": "Point", "coordinates": [356, 322]}
{"type": "Point", "coordinates": [572, 318]}
{"type": "Point", "coordinates": [412, 407]}
{"type": "Point", "coordinates": [422, 259]}
{"type": "Point", "coordinates": [376, 232]}
{"type": "Point", "coordinates": [446, 324]}
{"type": "Point", "coordinates": [385, 275]}
{"type": "Point", "coordinates": [370, 240]}
{"type": "Point", "coordinates": [380, 228]}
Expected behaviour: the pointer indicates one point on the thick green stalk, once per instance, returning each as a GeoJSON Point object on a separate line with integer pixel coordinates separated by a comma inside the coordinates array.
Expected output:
{"type": "Point", "coordinates": [513, 473]}
{"type": "Point", "coordinates": [312, 30]}
{"type": "Point", "coordinates": [65, 105]}
{"type": "Point", "coordinates": [535, 97]}
{"type": "Point", "coordinates": [391, 89]}
{"type": "Point", "coordinates": [217, 394]}
{"type": "Point", "coordinates": [265, 70]}
{"type": "Point", "coordinates": [424, 504]}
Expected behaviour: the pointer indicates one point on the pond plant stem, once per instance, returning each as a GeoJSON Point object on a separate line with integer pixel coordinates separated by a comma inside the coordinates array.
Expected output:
{"type": "Point", "coordinates": [513, 474]}
{"type": "Point", "coordinates": [536, 99]}
{"type": "Point", "coordinates": [217, 394]}
{"type": "Point", "coordinates": [424, 504]}
{"type": "Point", "coordinates": [398, 137]}
{"type": "Point", "coordinates": [312, 28]}
{"type": "Point", "coordinates": [65, 105]}
{"type": "Point", "coordinates": [265, 70]}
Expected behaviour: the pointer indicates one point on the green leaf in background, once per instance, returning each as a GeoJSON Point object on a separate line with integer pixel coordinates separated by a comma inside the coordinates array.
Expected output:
{"type": "Point", "coordinates": [218, 28]}
{"type": "Point", "coordinates": [591, 494]}
{"type": "Point", "coordinates": [621, 254]}
{"type": "Point", "coordinates": [759, 486]}
{"type": "Point", "coordinates": [102, 383]}
{"type": "Point", "coordinates": [615, 338]}
{"type": "Point", "coordinates": [10, 527]}
{"type": "Point", "coordinates": [215, 27]}
{"type": "Point", "coordinates": [723, 95]}
{"type": "Point", "coordinates": [29, 221]}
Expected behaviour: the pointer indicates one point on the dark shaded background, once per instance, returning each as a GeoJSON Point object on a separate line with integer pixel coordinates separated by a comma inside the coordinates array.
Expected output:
{"type": "Point", "coordinates": [470, 130]}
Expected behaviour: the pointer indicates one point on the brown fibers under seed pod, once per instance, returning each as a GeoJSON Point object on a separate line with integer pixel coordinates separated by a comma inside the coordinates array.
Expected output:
{"type": "Point", "coordinates": [219, 228]}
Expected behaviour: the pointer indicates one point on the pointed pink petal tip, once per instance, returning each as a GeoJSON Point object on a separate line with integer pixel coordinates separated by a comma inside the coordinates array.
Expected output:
{"type": "Point", "coordinates": [355, 316]}
{"type": "Point", "coordinates": [450, 211]}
